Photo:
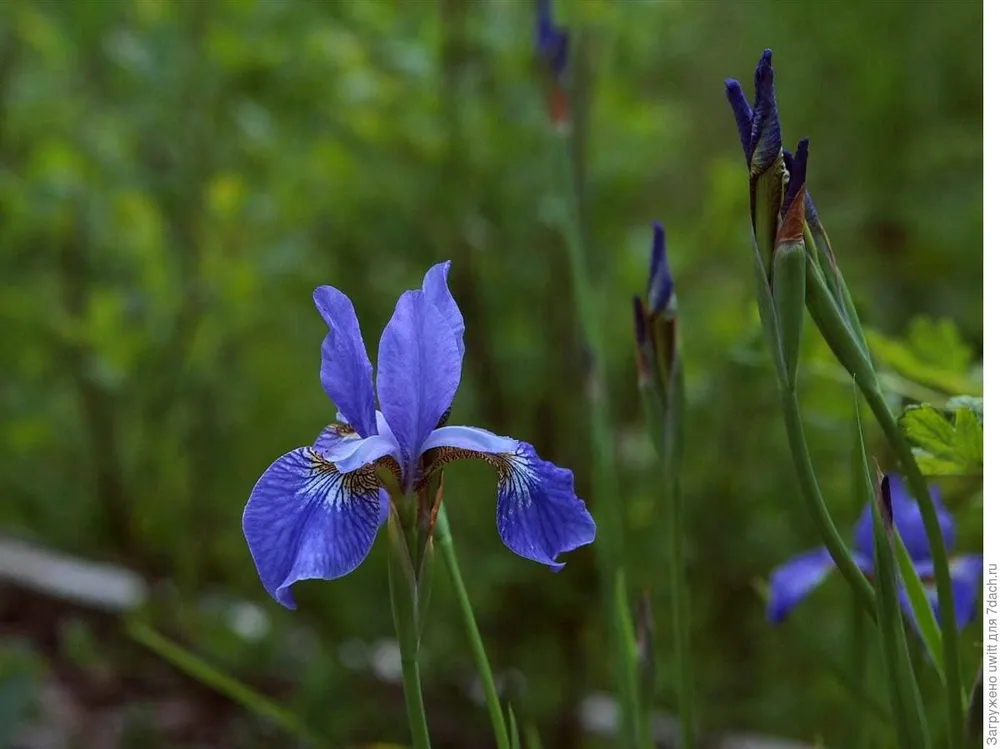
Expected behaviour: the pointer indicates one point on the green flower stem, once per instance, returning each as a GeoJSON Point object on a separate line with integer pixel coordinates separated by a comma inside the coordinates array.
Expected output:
{"type": "Point", "coordinates": [939, 556]}
{"type": "Point", "coordinates": [446, 546]}
{"type": "Point", "coordinates": [201, 671]}
{"type": "Point", "coordinates": [854, 355]}
{"type": "Point", "coordinates": [817, 507]}
{"type": "Point", "coordinates": [607, 508]}
{"type": "Point", "coordinates": [404, 598]}
{"type": "Point", "coordinates": [415, 703]}
{"type": "Point", "coordinates": [678, 582]}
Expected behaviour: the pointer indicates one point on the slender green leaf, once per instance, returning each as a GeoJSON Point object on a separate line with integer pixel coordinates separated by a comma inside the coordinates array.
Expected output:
{"type": "Point", "coordinates": [515, 735]}
{"type": "Point", "coordinates": [904, 694]}
{"type": "Point", "coordinates": [923, 613]}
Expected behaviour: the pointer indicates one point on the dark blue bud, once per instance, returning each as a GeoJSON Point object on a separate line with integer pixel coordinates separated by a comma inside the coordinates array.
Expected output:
{"type": "Point", "coordinates": [551, 41]}
{"type": "Point", "coordinates": [661, 283]}
{"type": "Point", "coordinates": [765, 131]}
{"type": "Point", "coordinates": [742, 112]}
{"type": "Point", "coordinates": [796, 166]}
{"type": "Point", "coordinates": [641, 331]}
{"type": "Point", "coordinates": [885, 501]}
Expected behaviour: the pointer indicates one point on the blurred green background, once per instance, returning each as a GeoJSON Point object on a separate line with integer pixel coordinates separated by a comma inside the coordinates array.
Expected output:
{"type": "Point", "coordinates": [177, 177]}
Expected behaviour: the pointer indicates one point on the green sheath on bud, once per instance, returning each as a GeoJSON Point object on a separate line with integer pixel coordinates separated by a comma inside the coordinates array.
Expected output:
{"type": "Point", "coordinates": [789, 284]}
{"type": "Point", "coordinates": [767, 191]}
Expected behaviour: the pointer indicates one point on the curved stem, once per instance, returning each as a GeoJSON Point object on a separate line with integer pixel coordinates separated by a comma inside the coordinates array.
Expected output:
{"type": "Point", "coordinates": [817, 508]}
{"type": "Point", "coordinates": [415, 703]}
{"type": "Point", "coordinates": [939, 556]}
{"type": "Point", "coordinates": [446, 546]}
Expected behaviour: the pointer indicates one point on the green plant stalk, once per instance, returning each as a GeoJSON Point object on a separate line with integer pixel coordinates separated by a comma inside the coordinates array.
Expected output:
{"type": "Point", "coordinates": [939, 557]}
{"type": "Point", "coordinates": [415, 703]}
{"type": "Point", "coordinates": [678, 583]}
{"type": "Point", "coordinates": [817, 508]}
{"type": "Point", "coordinates": [403, 596]}
{"type": "Point", "coordinates": [911, 725]}
{"type": "Point", "coordinates": [200, 670]}
{"type": "Point", "coordinates": [855, 357]}
{"type": "Point", "coordinates": [901, 680]}
{"type": "Point", "coordinates": [611, 542]}
{"type": "Point", "coordinates": [446, 546]}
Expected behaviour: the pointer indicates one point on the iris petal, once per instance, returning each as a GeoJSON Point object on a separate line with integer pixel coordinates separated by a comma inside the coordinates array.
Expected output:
{"type": "Point", "coordinates": [436, 291]}
{"type": "Point", "coordinates": [334, 435]}
{"type": "Point", "coordinates": [794, 580]}
{"type": "Point", "coordinates": [539, 515]}
{"type": "Point", "coordinates": [966, 572]}
{"type": "Point", "coordinates": [346, 372]}
{"type": "Point", "coordinates": [470, 438]}
{"type": "Point", "coordinates": [907, 519]}
{"type": "Point", "coordinates": [419, 368]}
{"type": "Point", "coordinates": [305, 520]}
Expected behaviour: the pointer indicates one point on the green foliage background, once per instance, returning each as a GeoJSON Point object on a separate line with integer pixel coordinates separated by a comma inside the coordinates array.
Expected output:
{"type": "Point", "coordinates": [177, 177]}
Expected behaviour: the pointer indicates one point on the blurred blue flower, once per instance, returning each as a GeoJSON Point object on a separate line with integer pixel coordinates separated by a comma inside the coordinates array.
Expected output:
{"type": "Point", "coordinates": [661, 283]}
{"type": "Point", "coordinates": [551, 41]}
{"type": "Point", "coordinates": [315, 511]}
{"type": "Point", "coordinates": [656, 321]}
{"type": "Point", "coordinates": [791, 582]}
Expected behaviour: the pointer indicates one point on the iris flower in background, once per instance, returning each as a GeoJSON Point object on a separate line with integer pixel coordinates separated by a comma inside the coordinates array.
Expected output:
{"type": "Point", "coordinates": [315, 511]}
{"type": "Point", "coordinates": [552, 41]}
{"type": "Point", "coordinates": [791, 582]}
{"type": "Point", "coordinates": [552, 47]}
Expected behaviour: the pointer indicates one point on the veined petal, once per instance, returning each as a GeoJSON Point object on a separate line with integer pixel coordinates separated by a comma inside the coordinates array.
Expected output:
{"type": "Point", "coordinates": [306, 520]}
{"type": "Point", "coordinates": [346, 372]}
{"type": "Point", "coordinates": [966, 572]}
{"type": "Point", "coordinates": [419, 368]}
{"type": "Point", "coordinates": [539, 515]}
{"type": "Point", "coordinates": [436, 290]}
{"type": "Point", "coordinates": [794, 580]}
{"type": "Point", "coordinates": [907, 519]}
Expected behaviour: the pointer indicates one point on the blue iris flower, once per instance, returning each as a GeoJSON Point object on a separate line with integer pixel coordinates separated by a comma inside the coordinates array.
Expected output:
{"type": "Point", "coordinates": [315, 511]}
{"type": "Point", "coordinates": [791, 582]}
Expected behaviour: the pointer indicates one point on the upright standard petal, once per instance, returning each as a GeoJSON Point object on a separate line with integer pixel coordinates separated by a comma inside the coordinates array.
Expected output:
{"type": "Point", "coordinates": [794, 580]}
{"type": "Point", "coordinates": [306, 520]}
{"type": "Point", "coordinates": [436, 290]}
{"type": "Point", "coordinates": [346, 372]}
{"type": "Point", "coordinates": [419, 368]}
{"type": "Point", "coordinates": [909, 523]}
